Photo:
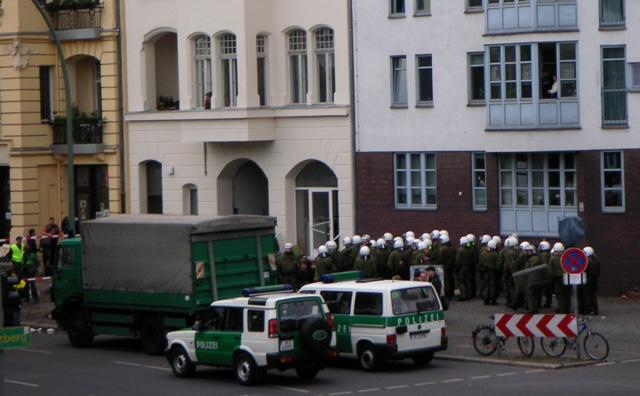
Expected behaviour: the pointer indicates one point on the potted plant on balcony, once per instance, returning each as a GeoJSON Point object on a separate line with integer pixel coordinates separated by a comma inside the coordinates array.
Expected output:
{"type": "Point", "coordinates": [61, 5]}
{"type": "Point", "coordinates": [167, 103]}
{"type": "Point", "coordinates": [87, 127]}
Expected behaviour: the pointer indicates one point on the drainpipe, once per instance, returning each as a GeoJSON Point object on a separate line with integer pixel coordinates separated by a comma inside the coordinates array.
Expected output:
{"type": "Point", "coordinates": [69, 129]}
{"type": "Point", "coordinates": [121, 142]}
{"type": "Point", "coordinates": [352, 100]}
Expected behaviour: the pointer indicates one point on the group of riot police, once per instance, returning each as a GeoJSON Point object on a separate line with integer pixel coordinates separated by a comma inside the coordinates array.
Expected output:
{"type": "Point", "coordinates": [486, 269]}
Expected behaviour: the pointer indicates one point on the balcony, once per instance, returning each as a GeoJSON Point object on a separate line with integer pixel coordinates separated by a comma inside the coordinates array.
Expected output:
{"type": "Point", "coordinates": [76, 20]}
{"type": "Point", "coordinates": [87, 135]}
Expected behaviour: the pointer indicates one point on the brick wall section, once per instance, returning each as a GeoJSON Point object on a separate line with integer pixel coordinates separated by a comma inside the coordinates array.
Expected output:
{"type": "Point", "coordinates": [615, 237]}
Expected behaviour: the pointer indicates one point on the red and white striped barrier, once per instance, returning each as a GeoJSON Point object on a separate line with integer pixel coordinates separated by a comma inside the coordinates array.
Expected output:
{"type": "Point", "coordinates": [37, 238]}
{"type": "Point", "coordinates": [38, 278]}
{"type": "Point", "coordinates": [530, 325]}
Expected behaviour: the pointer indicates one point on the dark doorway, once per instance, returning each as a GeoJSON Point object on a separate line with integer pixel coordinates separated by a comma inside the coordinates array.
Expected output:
{"type": "Point", "coordinates": [92, 191]}
{"type": "Point", "coordinates": [154, 187]}
{"type": "Point", "coordinates": [5, 202]}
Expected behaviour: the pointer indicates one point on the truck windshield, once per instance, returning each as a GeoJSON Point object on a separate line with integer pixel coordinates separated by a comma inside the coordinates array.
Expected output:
{"type": "Point", "coordinates": [66, 257]}
{"type": "Point", "coordinates": [293, 314]}
{"type": "Point", "coordinates": [414, 300]}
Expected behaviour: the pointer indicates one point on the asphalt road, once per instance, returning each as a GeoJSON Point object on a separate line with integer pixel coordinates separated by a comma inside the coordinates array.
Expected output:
{"type": "Point", "coordinates": [116, 366]}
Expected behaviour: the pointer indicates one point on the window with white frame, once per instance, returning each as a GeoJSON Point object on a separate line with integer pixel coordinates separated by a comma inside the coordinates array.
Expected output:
{"type": "Point", "coordinates": [399, 81]}
{"type": "Point", "coordinates": [473, 5]}
{"type": "Point", "coordinates": [325, 57]}
{"type": "Point", "coordinates": [476, 77]}
{"type": "Point", "coordinates": [614, 89]}
{"type": "Point", "coordinates": [479, 174]}
{"type": "Point", "coordinates": [507, 16]}
{"type": "Point", "coordinates": [298, 65]}
{"type": "Point", "coordinates": [202, 60]}
{"type": "Point", "coordinates": [229, 69]}
{"type": "Point", "coordinates": [635, 76]}
{"type": "Point", "coordinates": [612, 13]}
{"type": "Point", "coordinates": [424, 80]}
{"type": "Point", "coordinates": [613, 181]}
{"type": "Point", "coordinates": [415, 180]}
{"type": "Point", "coordinates": [261, 52]}
{"type": "Point", "coordinates": [422, 7]}
{"type": "Point", "coordinates": [397, 7]}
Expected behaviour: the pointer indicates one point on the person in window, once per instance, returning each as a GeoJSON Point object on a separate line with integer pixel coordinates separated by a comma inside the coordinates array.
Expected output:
{"type": "Point", "coordinates": [553, 92]}
{"type": "Point", "coordinates": [207, 100]}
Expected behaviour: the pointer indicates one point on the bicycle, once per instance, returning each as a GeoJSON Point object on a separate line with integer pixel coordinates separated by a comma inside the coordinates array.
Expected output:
{"type": "Point", "coordinates": [595, 344]}
{"type": "Point", "coordinates": [486, 342]}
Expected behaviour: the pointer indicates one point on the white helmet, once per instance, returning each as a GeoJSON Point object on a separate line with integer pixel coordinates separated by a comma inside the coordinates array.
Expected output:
{"type": "Point", "coordinates": [415, 242]}
{"type": "Point", "coordinates": [373, 243]}
{"type": "Point", "coordinates": [588, 250]}
{"type": "Point", "coordinates": [364, 251]}
{"type": "Point", "coordinates": [422, 245]}
{"type": "Point", "coordinates": [544, 246]}
{"type": "Point", "coordinates": [323, 249]}
{"type": "Point", "coordinates": [444, 238]}
{"type": "Point", "coordinates": [425, 236]}
{"type": "Point", "coordinates": [381, 243]}
{"type": "Point", "coordinates": [435, 234]}
{"type": "Point", "coordinates": [513, 242]}
{"type": "Point", "coordinates": [288, 247]}
{"type": "Point", "coordinates": [523, 245]}
{"type": "Point", "coordinates": [398, 244]}
{"type": "Point", "coordinates": [331, 245]}
{"type": "Point", "coordinates": [444, 232]}
{"type": "Point", "coordinates": [410, 234]}
{"type": "Point", "coordinates": [410, 240]}
{"type": "Point", "coordinates": [529, 247]}
{"type": "Point", "coordinates": [366, 238]}
{"type": "Point", "coordinates": [492, 244]}
{"type": "Point", "coordinates": [427, 242]}
{"type": "Point", "coordinates": [388, 236]}
{"type": "Point", "coordinates": [485, 239]}
{"type": "Point", "coordinates": [356, 240]}
{"type": "Point", "coordinates": [472, 238]}
{"type": "Point", "coordinates": [346, 241]}
{"type": "Point", "coordinates": [497, 239]}
{"type": "Point", "coordinates": [464, 240]}
{"type": "Point", "coordinates": [558, 247]}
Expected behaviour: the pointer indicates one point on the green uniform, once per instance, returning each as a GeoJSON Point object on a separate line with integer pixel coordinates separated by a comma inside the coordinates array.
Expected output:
{"type": "Point", "coordinates": [508, 265]}
{"type": "Point", "coordinates": [519, 292]}
{"type": "Point", "coordinates": [323, 265]}
{"type": "Point", "coordinates": [534, 292]}
{"type": "Point", "coordinates": [547, 291]}
{"type": "Point", "coordinates": [482, 286]}
{"type": "Point", "coordinates": [447, 258]}
{"type": "Point", "coordinates": [288, 265]}
{"type": "Point", "coordinates": [588, 292]}
{"type": "Point", "coordinates": [416, 257]}
{"type": "Point", "coordinates": [559, 289]}
{"type": "Point", "coordinates": [464, 270]}
{"type": "Point", "coordinates": [336, 260]}
{"type": "Point", "coordinates": [348, 258]}
{"type": "Point", "coordinates": [382, 257]}
{"type": "Point", "coordinates": [367, 266]}
{"type": "Point", "coordinates": [395, 264]}
{"type": "Point", "coordinates": [434, 248]}
{"type": "Point", "coordinates": [489, 264]}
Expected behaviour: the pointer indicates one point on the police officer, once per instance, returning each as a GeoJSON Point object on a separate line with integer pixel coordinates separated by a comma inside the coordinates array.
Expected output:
{"type": "Point", "coordinates": [555, 273]}
{"type": "Point", "coordinates": [589, 292]}
{"type": "Point", "coordinates": [447, 258]}
{"type": "Point", "coordinates": [534, 291]}
{"type": "Point", "coordinates": [354, 249]}
{"type": "Point", "coordinates": [365, 264]}
{"type": "Point", "coordinates": [519, 290]}
{"type": "Point", "coordinates": [382, 256]}
{"type": "Point", "coordinates": [323, 263]}
{"type": "Point", "coordinates": [481, 270]}
{"type": "Point", "coordinates": [288, 265]}
{"type": "Point", "coordinates": [505, 265]}
{"type": "Point", "coordinates": [388, 240]}
{"type": "Point", "coordinates": [476, 255]}
{"type": "Point", "coordinates": [395, 264]}
{"type": "Point", "coordinates": [336, 257]}
{"type": "Point", "coordinates": [544, 251]}
{"type": "Point", "coordinates": [489, 261]}
{"type": "Point", "coordinates": [347, 260]}
{"type": "Point", "coordinates": [464, 268]}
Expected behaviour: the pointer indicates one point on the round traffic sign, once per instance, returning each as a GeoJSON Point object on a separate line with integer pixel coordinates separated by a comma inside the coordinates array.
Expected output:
{"type": "Point", "coordinates": [573, 261]}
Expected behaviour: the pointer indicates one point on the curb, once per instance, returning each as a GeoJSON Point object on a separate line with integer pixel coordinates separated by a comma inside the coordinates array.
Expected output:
{"type": "Point", "coordinates": [509, 362]}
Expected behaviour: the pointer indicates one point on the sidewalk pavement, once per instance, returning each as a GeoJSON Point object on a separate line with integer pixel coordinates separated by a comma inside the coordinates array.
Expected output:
{"type": "Point", "coordinates": [619, 322]}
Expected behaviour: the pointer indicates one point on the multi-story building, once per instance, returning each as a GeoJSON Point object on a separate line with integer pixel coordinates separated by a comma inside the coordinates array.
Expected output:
{"type": "Point", "coordinates": [33, 175]}
{"type": "Point", "coordinates": [242, 107]}
{"type": "Point", "coordinates": [500, 117]}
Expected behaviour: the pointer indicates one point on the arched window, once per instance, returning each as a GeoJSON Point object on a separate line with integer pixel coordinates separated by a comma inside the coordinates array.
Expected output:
{"type": "Point", "coordinates": [229, 69]}
{"type": "Point", "coordinates": [261, 53]}
{"type": "Point", "coordinates": [298, 65]}
{"type": "Point", "coordinates": [202, 60]}
{"type": "Point", "coordinates": [325, 56]}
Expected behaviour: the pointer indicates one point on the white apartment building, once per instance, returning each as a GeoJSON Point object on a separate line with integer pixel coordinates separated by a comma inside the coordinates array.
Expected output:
{"type": "Point", "coordinates": [242, 107]}
{"type": "Point", "coordinates": [500, 116]}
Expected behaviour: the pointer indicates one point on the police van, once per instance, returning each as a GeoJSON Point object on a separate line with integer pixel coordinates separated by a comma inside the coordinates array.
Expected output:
{"type": "Point", "coordinates": [380, 320]}
{"type": "Point", "coordinates": [256, 332]}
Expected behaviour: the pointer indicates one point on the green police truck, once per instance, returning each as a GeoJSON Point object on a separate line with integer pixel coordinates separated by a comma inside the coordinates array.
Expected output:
{"type": "Point", "coordinates": [145, 275]}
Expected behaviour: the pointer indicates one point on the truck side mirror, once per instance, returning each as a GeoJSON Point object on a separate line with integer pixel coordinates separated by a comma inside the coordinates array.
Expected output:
{"type": "Point", "coordinates": [197, 326]}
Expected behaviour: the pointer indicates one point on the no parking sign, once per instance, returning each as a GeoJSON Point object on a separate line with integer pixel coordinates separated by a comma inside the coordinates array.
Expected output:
{"type": "Point", "coordinates": [574, 263]}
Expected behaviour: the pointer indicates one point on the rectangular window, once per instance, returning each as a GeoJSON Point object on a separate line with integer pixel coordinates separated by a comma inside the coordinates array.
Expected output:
{"type": "Point", "coordinates": [399, 80]}
{"type": "Point", "coordinates": [612, 13]}
{"type": "Point", "coordinates": [415, 181]}
{"type": "Point", "coordinates": [614, 91]}
{"type": "Point", "coordinates": [368, 304]}
{"type": "Point", "coordinates": [298, 65]}
{"type": "Point", "coordinates": [261, 51]}
{"type": "Point", "coordinates": [339, 302]}
{"type": "Point", "coordinates": [508, 16]}
{"type": "Point", "coordinates": [326, 65]}
{"type": "Point", "coordinates": [473, 5]}
{"type": "Point", "coordinates": [476, 77]}
{"type": "Point", "coordinates": [635, 76]}
{"type": "Point", "coordinates": [397, 7]}
{"type": "Point", "coordinates": [423, 7]}
{"type": "Point", "coordinates": [424, 80]}
{"type": "Point", "coordinates": [613, 181]}
{"type": "Point", "coordinates": [229, 69]}
{"type": "Point", "coordinates": [234, 320]}
{"type": "Point", "coordinates": [255, 321]}
{"type": "Point", "coordinates": [479, 165]}
{"type": "Point", "coordinates": [46, 90]}
{"type": "Point", "coordinates": [202, 58]}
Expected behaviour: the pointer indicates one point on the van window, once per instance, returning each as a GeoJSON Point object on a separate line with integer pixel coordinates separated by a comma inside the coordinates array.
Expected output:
{"type": "Point", "coordinates": [234, 319]}
{"type": "Point", "coordinates": [255, 321]}
{"type": "Point", "coordinates": [339, 302]}
{"type": "Point", "coordinates": [213, 319]}
{"type": "Point", "coordinates": [293, 314]}
{"type": "Point", "coordinates": [369, 304]}
{"type": "Point", "coordinates": [414, 300]}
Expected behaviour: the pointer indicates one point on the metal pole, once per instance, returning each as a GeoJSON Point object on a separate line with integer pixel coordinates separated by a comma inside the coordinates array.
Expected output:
{"type": "Point", "coordinates": [574, 309]}
{"type": "Point", "coordinates": [69, 130]}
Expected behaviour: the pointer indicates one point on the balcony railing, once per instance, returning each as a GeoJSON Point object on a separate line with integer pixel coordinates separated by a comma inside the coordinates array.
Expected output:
{"type": "Point", "coordinates": [84, 131]}
{"type": "Point", "coordinates": [77, 18]}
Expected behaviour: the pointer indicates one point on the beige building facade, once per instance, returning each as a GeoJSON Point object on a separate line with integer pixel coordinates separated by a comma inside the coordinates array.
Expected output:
{"type": "Point", "coordinates": [242, 107]}
{"type": "Point", "coordinates": [33, 160]}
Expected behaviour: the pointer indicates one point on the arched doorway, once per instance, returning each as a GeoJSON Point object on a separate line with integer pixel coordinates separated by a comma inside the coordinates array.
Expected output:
{"type": "Point", "coordinates": [150, 187]}
{"type": "Point", "coordinates": [316, 206]}
{"type": "Point", "coordinates": [160, 71]}
{"type": "Point", "coordinates": [243, 188]}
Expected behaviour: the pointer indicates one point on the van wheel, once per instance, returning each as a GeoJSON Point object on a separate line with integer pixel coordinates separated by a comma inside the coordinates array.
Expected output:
{"type": "Point", "coordinates": [78, 330]}
{"type": "Point", "coordinates": [307, 373]}
{"type": "Point", "coordinates": [367, 358]}
{"type": "Point", "coordinates": [181, 365]}
{"type": "Point", "coordinates": [152, 335]}
{"type": "Point", "coordinates": [423, 359]}
{"type": "Point", "coordinates": [244, 369]}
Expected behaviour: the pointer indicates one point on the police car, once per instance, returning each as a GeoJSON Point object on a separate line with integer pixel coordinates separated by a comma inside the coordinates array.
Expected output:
{"type": "Point", "coordinates": [257, 332]}
{"type": "Point", "coordinates": [380, 320]}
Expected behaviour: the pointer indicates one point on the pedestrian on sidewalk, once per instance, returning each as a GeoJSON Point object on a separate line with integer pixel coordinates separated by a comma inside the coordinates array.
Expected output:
{"type": "Point", "coordinates": [49, 245]}
{"type": "Point", "coordinates": [30, 270]}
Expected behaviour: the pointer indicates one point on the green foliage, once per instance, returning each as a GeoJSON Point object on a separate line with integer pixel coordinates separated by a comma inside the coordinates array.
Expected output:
{"type": "Point", "coordinates": [59, 5]}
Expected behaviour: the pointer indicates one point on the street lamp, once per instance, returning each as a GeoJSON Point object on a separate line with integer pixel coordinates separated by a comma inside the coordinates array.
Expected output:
{"type": "Point", "coordinates": [69, 131]}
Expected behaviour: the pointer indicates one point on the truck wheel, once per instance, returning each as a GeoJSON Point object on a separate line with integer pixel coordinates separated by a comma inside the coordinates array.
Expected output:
{"type": "Point", "coordinates": [152, 334]}
{"type": "Point", "coordinates": [181, 364]}
{"type": "Point", "coordinates": [78, 330]}
{"type": "Point", "coordinates": [367, 358]}
{"type": "Point", "coordinates": [244, 369]}
{"type": "Point", "coordinates": [423, 359]}
{"type": "Point", "coordinates": [307, 373]}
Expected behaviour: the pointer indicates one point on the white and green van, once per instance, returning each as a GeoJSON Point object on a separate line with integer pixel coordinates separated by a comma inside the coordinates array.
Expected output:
{"type": "Point", "coordinates": [254, 333]}
{"type": "Point", "coordinates": [380, 320]}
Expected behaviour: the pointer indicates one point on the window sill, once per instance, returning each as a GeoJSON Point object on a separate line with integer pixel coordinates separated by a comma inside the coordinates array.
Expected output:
{"type": "Point", "coordinates": [421, 14]}
{"type": "Point", "coordinates": [421, 209]}
{"type": "Point", "coordinates": [397, 16]}
{"type": "Point", "coordinates": [474, 10]}
{"type": "Point", "coordinates": [476, 104]}
{"type": "Point", "coordinates": [608, 28]}
{"type": "Point", "coordinates": [399, 106]}
{"type": "Point", "coordinates": [616, 126]}
{"type": "Point", "coordinates": [528, 31]}
{"type": "Point", "coordinates": [538, 129]}
{"type": "Point", "coordinates": [479, 210]}
{"type": "Point", "coordinates": [424, 105]}
{"type": "Point", "coordinates": [613, 211]}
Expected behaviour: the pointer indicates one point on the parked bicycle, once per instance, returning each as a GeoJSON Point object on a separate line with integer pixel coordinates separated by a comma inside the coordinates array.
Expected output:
{"type": "Point", "coordinates": [595, 344]}
{"type": "Point", "coordinates": [486, 342]}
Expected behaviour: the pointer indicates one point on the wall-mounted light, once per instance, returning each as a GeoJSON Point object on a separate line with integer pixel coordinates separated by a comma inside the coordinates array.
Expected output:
{"type": "Point", "coordinates": [172, 170]}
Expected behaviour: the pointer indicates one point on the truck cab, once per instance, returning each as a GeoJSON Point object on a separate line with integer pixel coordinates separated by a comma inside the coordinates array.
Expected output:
{"type": "Point", "coordinates": [67, 278]}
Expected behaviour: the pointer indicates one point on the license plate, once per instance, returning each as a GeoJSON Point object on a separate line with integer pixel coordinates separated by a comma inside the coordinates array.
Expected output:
{"type": "Point", "coordinates": [418, 336]}
{"type": "Point", "coordinates": [286, 345]}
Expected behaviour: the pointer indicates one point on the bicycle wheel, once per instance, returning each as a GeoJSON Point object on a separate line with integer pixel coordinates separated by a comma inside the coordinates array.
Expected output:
{"type": "Point", "coordinates": [553, 346]}
{"type": "Point", "coordinates": [526, 346]}
{"type": "Point", "coordinates": [596, 346]}
{"type": "Point", "coordinates": [485, 341]}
